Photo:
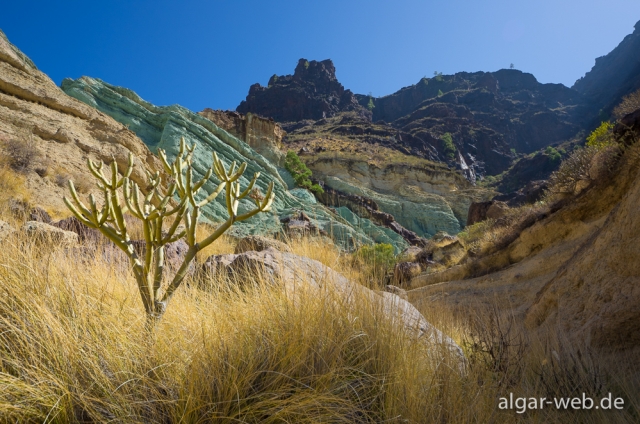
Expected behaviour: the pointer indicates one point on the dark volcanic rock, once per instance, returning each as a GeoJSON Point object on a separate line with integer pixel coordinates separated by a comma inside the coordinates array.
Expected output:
{"type": "Point", "coordinates": [312, 92]}
{"type": "Point", "coordinates": [487, 115]}
{"type": "Point", "coordinates": [614, 75]}
{"type": "Point", "coordinates": [478, 212]}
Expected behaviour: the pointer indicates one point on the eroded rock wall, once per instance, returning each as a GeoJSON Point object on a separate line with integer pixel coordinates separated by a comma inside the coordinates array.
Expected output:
{"type": "Point", "coordinates": [424, 201]}
{"type": "Point", "coordinates": [262, 134]}
{"type": "Point", "coordinates": [65, 132]}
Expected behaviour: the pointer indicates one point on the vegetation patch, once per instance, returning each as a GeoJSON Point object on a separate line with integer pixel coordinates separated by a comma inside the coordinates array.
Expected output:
{"type": "Point", "coordinates": [300, 172]}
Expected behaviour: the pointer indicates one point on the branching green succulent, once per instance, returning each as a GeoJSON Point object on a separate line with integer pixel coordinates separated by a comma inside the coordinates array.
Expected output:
{"type": "Point", "coordinates": [156, 207]}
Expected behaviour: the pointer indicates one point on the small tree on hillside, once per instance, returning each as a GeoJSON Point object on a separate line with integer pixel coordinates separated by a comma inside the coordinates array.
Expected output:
{"type": "Point", "coordinates": [449, 147]}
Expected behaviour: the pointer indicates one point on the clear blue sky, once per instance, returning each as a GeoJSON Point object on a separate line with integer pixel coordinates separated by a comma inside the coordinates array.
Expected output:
{"type": "Point", "coordinates": [207, 53]}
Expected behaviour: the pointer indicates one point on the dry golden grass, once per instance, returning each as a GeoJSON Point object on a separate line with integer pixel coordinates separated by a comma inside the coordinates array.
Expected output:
{"type": "Point", "coordinates": [74, 348]}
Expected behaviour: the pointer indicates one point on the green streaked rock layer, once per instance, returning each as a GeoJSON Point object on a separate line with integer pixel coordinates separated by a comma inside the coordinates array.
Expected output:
{"type": "Point", "coordinates": [162, 127]}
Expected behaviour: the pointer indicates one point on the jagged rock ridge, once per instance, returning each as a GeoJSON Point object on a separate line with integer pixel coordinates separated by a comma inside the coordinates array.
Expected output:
{"type": "Point", "coordinates": [487, 114]}
{"type": "Point", "coordinates": [312, 92]}
{"type": "Point", "coordinates": [613, 75]}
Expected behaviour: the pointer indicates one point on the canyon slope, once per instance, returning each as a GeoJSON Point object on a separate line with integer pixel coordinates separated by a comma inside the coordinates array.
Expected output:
{"type": "Point", "coordinates": [163, 127]}
{"type": "Point", "coordinates": [574, 269]}
{"type": "Point", "coordinates": [61, 133]}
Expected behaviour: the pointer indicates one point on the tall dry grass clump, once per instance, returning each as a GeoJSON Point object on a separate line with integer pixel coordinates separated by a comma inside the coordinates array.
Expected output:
{"type": "Point", "coordinates": [74, 348]}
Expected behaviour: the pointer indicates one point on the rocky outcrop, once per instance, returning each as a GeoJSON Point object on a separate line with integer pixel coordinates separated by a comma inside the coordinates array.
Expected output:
{"type": "Point", "coordinates": [6, 230]}
{"type": "Point", "coordinates": [368, 208]}
{"type": "Point", "coordinates": [613, 75]}
{"type": "Point", "coordinates": [163, 127]}
{"type": "Point", "coordinates": [423, 199]}
{"type": "Point", "coordinates": [312, 92]}
{"type": "Point", "coordinates": [262, 134]}
{"type": "Point", "coordinates": [359, 134]}
{"type": "Point", "coordinates": [39, 232]}
{"type": "Point", "coordinates": [64, 131]}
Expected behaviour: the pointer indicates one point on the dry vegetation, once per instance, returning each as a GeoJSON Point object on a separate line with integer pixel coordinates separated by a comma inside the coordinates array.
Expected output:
{"type": "Point", "coordinates": [74, 348]}
{"type": "Point", "coordinates": [630, 103]}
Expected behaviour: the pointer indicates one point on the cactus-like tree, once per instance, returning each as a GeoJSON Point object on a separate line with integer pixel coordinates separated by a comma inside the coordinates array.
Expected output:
{"type": "Point", "coordinates": [175, 204]}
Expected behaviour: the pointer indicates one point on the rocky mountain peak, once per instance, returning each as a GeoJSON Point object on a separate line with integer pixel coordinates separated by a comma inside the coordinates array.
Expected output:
{"type": "Point", "coordinates": [321, 71]}
{"type": "Point", "coordinates": [312, 92]}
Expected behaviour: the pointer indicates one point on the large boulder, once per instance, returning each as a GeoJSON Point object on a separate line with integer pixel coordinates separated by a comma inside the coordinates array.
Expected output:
{"type": "Point", "coordinates": [40, 232]}
{"type": "Point", "coordinates": [73, 224]}
{"type": "Point", "coordinates": [292, 273]}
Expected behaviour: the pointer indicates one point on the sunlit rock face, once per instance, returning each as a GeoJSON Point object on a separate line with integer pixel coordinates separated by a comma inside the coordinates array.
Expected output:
{"type": "Point", "coordinates": [423, 200]}
{"type": "Point", "coordinates": [63, 132]}
{"type": "Point", "coordinates": [162, 127]}
{"type": "Point", "coordinates": [262, 134]}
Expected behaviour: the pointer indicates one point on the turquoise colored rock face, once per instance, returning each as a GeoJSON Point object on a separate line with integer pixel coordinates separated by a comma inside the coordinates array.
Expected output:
{"type": "Point", "coordinates": [377, 233]}
{"type": "Point", "coordinates": [426, 218]}
{"type": "Point", "coordinates": [162, 127]}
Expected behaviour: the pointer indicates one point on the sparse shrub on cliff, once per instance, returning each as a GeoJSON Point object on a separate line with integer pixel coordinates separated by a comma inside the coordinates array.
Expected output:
{"type": "Point", "coordinates": [21, 153]}
{"type": "Point", "coordinates": [586, 164]}
{"type": "Point", "coordinates": [371, 105]}
{"type": "Point", "coordinates": [602, 136]}
{"type": "Point", "coordinates": [154, 208]}
{"type": "Point", "coordinates": [300, 172]}
{"type": "Point", "coordinates": [449, 147]}
{"type": "Point", "coordinates": [553, 153]}
{"type": "Point", "coordinates": [629, 104]}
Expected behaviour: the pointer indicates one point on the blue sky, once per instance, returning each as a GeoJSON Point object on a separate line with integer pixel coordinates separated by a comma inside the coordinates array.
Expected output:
{"type": "Point", "coordinates": [207, 53]}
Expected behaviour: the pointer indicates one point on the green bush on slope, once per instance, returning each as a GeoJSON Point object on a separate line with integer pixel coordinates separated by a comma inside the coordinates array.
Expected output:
{"type": "Point", "coordinates": [300, 172]}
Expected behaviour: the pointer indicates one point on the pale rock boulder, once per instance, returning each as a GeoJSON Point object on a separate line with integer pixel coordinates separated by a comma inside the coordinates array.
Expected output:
{"type": "Point", "coordinates": [259, 243]}
{"type": "Point", "coordinates": [293, 273]}
{"type": "Point", "coordinates": [40, 232]}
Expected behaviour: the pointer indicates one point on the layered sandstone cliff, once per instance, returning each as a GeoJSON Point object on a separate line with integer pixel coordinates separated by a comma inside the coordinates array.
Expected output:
{"type": "Point", "coordinates": [64, 132]}
{"type": "Point", "coordinates": [262, 134]}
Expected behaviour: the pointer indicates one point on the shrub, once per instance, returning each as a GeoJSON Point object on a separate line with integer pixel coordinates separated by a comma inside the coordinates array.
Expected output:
{"type": "Point", "coordinates": [602, 136]}
{"type": "Point", "coordinates": [586, 163]}
{"type": "Point", "coordinates": [629, 104]}
{"type": "Point", "coordinates": [300, 172]}
{"type": "Point", "coordinates": [375, 261]}
{"type": "Point", "coordinates": [553, 154]}
{"type": "Point", "coordinates": [370, 105]}
{"type": "Point", "coordinates": [154, 209]}
{"type": "Point", "coordinates": [579, 166]}
{"type": "Point", "coordinates": [22, 153]}
{"type": "Point", "coordinates": [449, 147]}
